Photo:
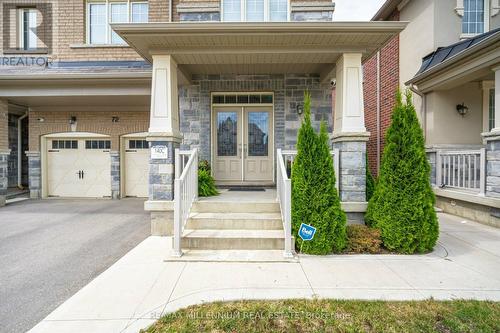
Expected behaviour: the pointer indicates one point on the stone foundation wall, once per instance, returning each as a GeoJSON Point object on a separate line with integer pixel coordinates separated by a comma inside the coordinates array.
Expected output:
{"type": "Point", "coordinates": [195, 105]}
{"type": "Point", "coordinates": [471, 211]}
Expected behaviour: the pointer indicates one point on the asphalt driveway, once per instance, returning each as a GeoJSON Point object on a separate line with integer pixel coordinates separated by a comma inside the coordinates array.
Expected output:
{"type": "Point", "coordinates": [49, 249]}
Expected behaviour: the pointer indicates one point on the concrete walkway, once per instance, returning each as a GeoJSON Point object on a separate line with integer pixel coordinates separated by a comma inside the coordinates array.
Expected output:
{"type": "Point", "coordinates": [142, 286]}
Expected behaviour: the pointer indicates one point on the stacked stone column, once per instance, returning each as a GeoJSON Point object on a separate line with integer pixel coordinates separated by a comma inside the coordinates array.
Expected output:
{"type": "Point", "coordinates": [4, 149]}
{"type": "Point", "coordinates": [164, 137]}
{"type": "Point", "coordinates": [350, 136]}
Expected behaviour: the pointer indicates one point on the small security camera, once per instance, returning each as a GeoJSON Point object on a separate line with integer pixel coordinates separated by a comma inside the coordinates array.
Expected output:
{"type": "Point", "coordinates": [333, 83]}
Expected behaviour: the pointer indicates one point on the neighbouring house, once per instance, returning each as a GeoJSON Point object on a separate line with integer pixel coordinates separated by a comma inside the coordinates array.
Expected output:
{"type": "Point", "coordinates": [449, 56]}
{"type": "Point", "coordinates": [112, 89]}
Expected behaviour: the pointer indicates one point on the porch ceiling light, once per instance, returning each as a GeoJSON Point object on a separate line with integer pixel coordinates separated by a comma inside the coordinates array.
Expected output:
{"type": "Point", "coordinates": [462, 109]}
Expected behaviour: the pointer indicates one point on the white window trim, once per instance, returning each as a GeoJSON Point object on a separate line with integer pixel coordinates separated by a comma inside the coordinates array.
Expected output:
{"type": "Point", "coordinates": [267, 14]}
{"type": "Point", "coordinates": [486, 86]}
{"type": "Point", "coordinates": [108, 18]}
{"type": "Point", "coordinates": [460, 9]}
{"type": "Point", "coordinates": [21, 31]}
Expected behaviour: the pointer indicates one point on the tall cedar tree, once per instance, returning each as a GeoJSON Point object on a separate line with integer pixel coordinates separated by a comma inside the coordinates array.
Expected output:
{"type": "Point", "coordinates": [402, 206]}
{"type": "Point", "coordinates": [314, 197]}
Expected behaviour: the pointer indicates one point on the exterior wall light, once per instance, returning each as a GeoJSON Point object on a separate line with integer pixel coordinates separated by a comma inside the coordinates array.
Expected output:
{"type": "Point", "coordinates": [462, 109]}
{"type": "Point", "coordinates": [41, 119]}
{"type": "Point", "coordinates": [115, 119]}
{"type": "Point", "coordinates": [300, 108]}
{"type": "Point", "coordinates": [72, 120]}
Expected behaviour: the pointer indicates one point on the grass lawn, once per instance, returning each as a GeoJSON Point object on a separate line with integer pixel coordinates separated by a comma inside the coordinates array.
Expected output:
{"type": "Point", "coordinates": [334, 316]}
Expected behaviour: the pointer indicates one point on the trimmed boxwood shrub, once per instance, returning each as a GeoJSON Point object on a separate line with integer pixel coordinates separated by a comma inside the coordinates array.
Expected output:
{"type": "Point", "coordinates": [362, 239]}
{"type": "Point", "coordinates": [402, 206]}
{"type": "Point", "coordinates": [206, 183]}
{"type": "Point", "coordinates": [314, 197]}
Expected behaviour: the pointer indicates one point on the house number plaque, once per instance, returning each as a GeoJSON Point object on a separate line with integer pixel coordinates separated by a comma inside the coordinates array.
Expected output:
{"type": "Point", "coordinates": [159, 152]}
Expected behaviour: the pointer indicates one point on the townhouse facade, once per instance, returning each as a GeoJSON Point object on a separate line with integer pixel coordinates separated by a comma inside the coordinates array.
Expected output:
{"type": "Point", "coordinates": [120, 94]}
{"type": "Point", "coordinates": [458, 115]}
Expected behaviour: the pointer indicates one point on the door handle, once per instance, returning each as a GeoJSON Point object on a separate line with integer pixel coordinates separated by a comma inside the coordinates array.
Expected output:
{"type": "Point", "coordinates": [79, 173]}
{"type": "Point", "coordinates": [83, 174]}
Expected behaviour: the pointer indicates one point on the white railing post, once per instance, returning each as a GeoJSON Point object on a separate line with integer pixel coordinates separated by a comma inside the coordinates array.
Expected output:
{"type": "Point", "coordinates": [288, 218]}
{"type": "Point", "coordinates": [185, 193]}
{"type": "Point", "coordinates": [439, 169]}
{"type": "Point", "coordinates": [482, 172]}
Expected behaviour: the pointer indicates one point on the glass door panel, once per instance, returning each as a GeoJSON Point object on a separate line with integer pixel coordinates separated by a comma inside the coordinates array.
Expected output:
{"type": "Point", "coordinates": [228, 148]}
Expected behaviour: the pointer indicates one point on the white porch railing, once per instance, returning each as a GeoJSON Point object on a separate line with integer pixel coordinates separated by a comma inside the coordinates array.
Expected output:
{"type": "Point", "coordinates": [461, 169]}
{"type": "Point", "coordinates": [185, 192]}
{"type": "Point", "coordinates": [284, 191]}
{"type": "Point", "coordinates": [289, 156]}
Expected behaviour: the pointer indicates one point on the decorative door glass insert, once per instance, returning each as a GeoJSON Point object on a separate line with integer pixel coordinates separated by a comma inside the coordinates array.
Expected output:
{"type": "Point", "coordinates": [227, 133]}
{"type": "Point", "coordinates": [258, 133]}
{"type": "Point", "coordinates": [491, 113]}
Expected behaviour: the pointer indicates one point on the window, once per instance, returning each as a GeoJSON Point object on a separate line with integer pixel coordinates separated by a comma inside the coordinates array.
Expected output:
{"type": "Point", "coordinates": [27, 28]}
{"type": "Point", "coordinates": [138, 144]}
{"type": "Point", "coordinates": [64, 144]}
{"type": "Point", "coordinates": [254, 98]}
{"type": "Point", "coordinates": [254, 10]}
{"type": "Point", "coordinates": [473, 21]}
{"type": "Point", "coordinates": [101, 13]}
{"type": "Point", "coordinates": [97, 144]}
{"type": "Point", "coordinates": [491, 110]}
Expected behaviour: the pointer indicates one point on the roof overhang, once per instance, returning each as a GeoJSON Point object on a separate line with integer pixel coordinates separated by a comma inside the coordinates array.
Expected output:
{"type": "Point", "coordinates": [472, 64]}
{"type": "Point", "coordinates": [387, 8]}
{"type": "Point", "coordinates": [257, 48]}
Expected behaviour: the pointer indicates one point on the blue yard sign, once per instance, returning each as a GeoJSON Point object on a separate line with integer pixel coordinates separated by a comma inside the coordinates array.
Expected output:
{"type": "Point", "coordinates": [306, 232]}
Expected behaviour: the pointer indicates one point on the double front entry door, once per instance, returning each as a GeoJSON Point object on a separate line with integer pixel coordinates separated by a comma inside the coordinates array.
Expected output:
{"type": "Point", "coordinates": [243, 145]}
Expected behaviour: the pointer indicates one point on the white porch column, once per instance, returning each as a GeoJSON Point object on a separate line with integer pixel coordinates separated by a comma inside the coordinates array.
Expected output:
{"type": "Point", "coordinates": [164, 137]}
{"type": "Point", "coordinates": [497, 100]}
{"type": "Point", "coordinates": [349, 104]}
{"type": "Point", "coordinates": [350, 136]}
{"type": "Point", "coordinates": [164, 114]}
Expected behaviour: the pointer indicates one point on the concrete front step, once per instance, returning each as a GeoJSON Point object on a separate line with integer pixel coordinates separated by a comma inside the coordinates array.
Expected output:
{"type": "Point", "coordinates": [241, 221]}
{"type": "Point", "coordinates": [233, 239]}
{"type": "Point", "coordinates": [235, 207]}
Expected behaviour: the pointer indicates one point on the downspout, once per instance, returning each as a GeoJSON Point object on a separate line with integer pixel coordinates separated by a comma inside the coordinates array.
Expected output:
{"type": "Point", "coordinates": [423, 107]}
{"type": "Point", "coordinates": [20, 151]}
{"type": "Point", "coordinates": [378, 112]}
{"type": "Point", "coordinates": [170, 14]}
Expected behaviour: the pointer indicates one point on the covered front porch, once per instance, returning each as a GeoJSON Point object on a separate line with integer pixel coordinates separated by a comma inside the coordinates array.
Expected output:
{"type": "Point", "coordinates": [232, 94]}
{"type": "Point", "coordinates": [460, 114]}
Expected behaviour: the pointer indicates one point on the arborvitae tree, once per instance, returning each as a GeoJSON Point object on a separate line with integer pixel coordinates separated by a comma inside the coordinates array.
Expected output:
{"type": "Point", "coordinates": [402, 206]}
{"type": "Point", "coordinates": [314, 197]}
{"type": "Point", "coordinates": [370, 182]}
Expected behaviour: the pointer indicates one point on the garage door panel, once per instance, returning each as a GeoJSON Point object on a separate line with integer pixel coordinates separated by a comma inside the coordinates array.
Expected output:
{"type": "Point", "coordinates": [78, 171]}
{"type": "Point", "coordinates": [136, 167]}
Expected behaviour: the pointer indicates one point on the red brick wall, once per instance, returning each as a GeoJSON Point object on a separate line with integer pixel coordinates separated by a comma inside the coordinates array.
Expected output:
{"type": "Point", "coordinates": [389, 83]}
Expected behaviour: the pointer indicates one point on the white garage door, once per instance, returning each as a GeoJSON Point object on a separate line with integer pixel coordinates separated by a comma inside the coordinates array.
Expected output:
{"type": "Point", "coordinates": [136, 167]}
{"type": "Point", "coordinates": [78, 168]}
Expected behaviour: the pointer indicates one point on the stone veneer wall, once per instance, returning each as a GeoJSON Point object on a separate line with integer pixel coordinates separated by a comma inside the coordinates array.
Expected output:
{"type": "Point", "coordinates": [115, 174]}
{"type": "Point", "coordinates": [161, 175]}
{"type": "Point", "coordinates": [34, 171]}
{"type": "Point", "coordinates": [195, 105]}
{"type": "Point", "coordinates": [493, 168]}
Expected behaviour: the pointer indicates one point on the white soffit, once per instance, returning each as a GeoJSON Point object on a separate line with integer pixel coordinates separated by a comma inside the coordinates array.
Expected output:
{"type": "Point", "coordinates": [257, 47]}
